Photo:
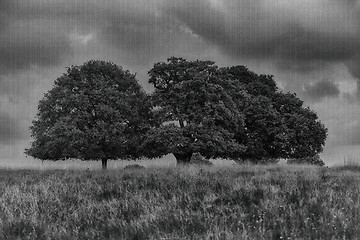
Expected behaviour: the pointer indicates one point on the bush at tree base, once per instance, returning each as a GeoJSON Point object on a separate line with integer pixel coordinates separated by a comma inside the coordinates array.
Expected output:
{"type": "Point", "coordinates": [314, 160]}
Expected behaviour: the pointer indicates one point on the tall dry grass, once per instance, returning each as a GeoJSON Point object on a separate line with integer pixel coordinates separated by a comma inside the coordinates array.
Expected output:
{"type": "Point", "coordinates": [237, 202]}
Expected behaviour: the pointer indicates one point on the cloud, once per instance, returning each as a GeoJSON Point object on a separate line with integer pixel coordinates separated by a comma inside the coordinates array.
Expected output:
{"type": "Point", "coordinates": [321, 89]}
{"type": "Point", "coordinates": [142, 34]}
{"type": "Point", "coordinates": [24, 46]}
{"type": "Point", "coordinates": [201, 18]}
{"type": "Point", "coordinates": [294, 30]}
{"type": "Point", "coordinates": [137, 31]}
{"type": "Point", "coordinates": [29, 39]}
{"type": "Point", "coordinates": [354, 68]}
{"type": "Point", "coordinates": [301, 36]}
{"type": "Point", "coordinates": [297, 35]}
{"type": "Point", "coordinates": [10, 129]}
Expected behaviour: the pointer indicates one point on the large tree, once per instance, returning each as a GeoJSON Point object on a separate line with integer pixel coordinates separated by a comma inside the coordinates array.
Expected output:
{"type": "Point", "coordinates": [195, 111]}
{"type": "Point", "coordinates": [227, 112]}
{"type": "Point", "coordinates": [277, 125]}
{"type": "Point", "coordinates": [96, 111]}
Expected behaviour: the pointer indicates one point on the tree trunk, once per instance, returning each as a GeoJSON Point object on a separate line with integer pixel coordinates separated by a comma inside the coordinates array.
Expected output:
{"type": "Point", "coordinates": [182, 158]}
{"type": "Point", "coordinates": [104, 164]}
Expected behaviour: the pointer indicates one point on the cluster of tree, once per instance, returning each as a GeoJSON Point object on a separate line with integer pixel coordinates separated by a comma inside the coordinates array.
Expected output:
{"type": "Point", "coordinates": [98, 111]}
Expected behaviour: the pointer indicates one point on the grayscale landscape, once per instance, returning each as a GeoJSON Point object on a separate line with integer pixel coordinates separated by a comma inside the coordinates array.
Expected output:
{"type": "Point", "coordinates": [187, 119]}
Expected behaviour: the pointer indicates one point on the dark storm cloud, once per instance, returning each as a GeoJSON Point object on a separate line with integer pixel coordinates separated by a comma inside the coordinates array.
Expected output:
{"type": "Point", "coordinates": [354, 68]}
{"type": "Point", "coordinates": [135, 29]}
{"type": "Point", "coordinates": [142, 34]}
{"type": "Point", "coordinates": [320, 90]}
{"type": "Point", "coordinates": [139, 37]}
{"type": "Point", "coordinates": [29, 40]}
{"type": "Point", "coordinates": [20, 51]}
{"type": "Point", "coordinates": [293, 35]}
{"type": "Point", "coordinates": [201, 18]}
{"type": "Point", "coordinates": [4, 6]}
{"type": "Point", "coordinates": [10, 129]}
{"type": "Point", "coordinates": [248, 38]}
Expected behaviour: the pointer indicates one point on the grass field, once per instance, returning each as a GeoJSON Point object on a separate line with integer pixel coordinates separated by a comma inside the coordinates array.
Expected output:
{"type": "Point", "coordinates": [237, 202]}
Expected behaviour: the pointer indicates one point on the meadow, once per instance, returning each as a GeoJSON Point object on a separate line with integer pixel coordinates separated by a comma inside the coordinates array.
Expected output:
{"type": "Point", "coordinates": [234, 202]}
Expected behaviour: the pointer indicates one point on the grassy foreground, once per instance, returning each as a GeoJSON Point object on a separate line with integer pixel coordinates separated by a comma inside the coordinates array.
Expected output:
{"type": "Point", "coordinates": [242, 202]}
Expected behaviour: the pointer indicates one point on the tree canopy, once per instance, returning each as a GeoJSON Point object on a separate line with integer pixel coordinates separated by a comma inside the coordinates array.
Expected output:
{"type": "Point", "coordinates": [96, 111]}
{"type": "Point", "coordinates": [277, 125]}
{"type": "Point", "coordinates": [193, 95]}
{"type": "Point", "coordinates": [227, 112]}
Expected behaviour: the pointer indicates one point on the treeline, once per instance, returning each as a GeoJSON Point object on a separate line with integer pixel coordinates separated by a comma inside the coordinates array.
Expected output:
{"type": "Point", "coordinates": [99, 111]}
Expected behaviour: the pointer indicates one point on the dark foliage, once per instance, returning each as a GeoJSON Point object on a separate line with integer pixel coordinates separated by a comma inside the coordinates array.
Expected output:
{"type": "Point", "coordinates": [314, 160]}
{"type": "Point", "coordinates": [195, 95]}
{"type": "Point", "coordinates": [227, 112]}
{"type": "Point", "coordinates": [276, 123]}
{"type": "Point", "coordinates": [94, 111]}
{"type": "Point", "coordinates": [134, 167]}
{"type": "Point", "coordinates": [98, 111]}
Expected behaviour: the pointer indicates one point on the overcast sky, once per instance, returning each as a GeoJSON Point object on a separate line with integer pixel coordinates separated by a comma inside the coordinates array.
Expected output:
{"type": "Point", "coordinates": [312, 47]}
